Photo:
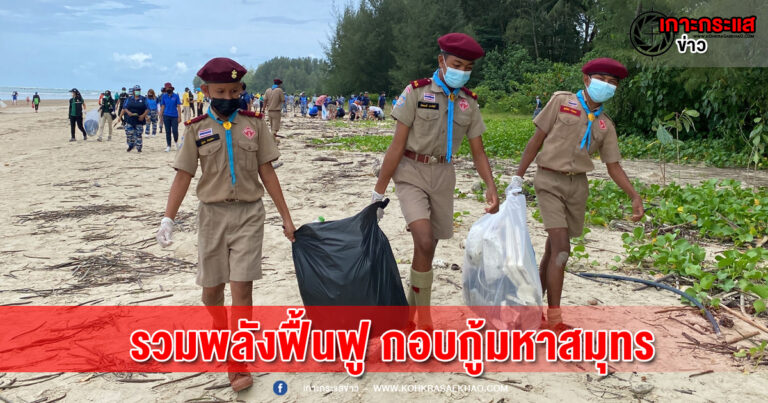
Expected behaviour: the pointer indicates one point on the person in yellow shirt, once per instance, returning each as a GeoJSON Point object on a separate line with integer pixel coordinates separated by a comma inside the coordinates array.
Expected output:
{"type": "Point", "coordinates": [186, 101]}
{"type": "Point", "coordinates": [200, 100]}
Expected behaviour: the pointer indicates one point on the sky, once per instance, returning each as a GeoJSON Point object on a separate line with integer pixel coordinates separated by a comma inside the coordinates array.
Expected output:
{"type": "Point", "coordinates": [110, 44]}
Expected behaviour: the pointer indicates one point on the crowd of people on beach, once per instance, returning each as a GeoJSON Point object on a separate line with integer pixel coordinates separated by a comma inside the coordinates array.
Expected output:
{"type": "Point", "coordinates": [139, 115]}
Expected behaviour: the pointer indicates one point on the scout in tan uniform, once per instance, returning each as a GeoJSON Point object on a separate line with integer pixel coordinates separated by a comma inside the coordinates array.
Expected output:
{"type": "Point", "coordinates": [568, 130]}
{"type": "Point", "coordinates": [235, 150]}
{"type": "Point", "coordinates": [274, 98]}
{"type": "Point", "coordinates": [433, 116]}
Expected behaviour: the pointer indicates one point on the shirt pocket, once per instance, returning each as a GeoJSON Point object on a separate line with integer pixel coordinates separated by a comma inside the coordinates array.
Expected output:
{"type": "Point", "coordinates": [461, 125]}
{"type": "Point", "coordinates": [427, 121]}
{"type": "Point", "coordinates": [210, 157]}
{"type": "Point", "coordinates": [567, 118]}
{"type": "Point", "coordinates": [249, 155]}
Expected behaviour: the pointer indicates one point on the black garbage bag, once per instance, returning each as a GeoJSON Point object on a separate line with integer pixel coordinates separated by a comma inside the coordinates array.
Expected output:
{"type": "Point", "coordinates": [347, 262]}
{"type": "Point", "coordinates": [343, 268]}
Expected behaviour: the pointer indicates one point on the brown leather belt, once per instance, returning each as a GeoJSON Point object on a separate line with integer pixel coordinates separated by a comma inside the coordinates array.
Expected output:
{"type": "Point", "coordinates": [423, 158]}
{"type": "Point", "coordinates": [560, 172]}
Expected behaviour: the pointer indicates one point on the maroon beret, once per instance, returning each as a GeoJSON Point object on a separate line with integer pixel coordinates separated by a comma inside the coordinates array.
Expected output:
{"type": "Point", "coordinates": [222, 70]}
{"type": "Point", "coordinates": [461, 45]}
{"type": "Point", "coordinates": [277, 81]}
{"type": "Point", "coordinates": [605, 65]}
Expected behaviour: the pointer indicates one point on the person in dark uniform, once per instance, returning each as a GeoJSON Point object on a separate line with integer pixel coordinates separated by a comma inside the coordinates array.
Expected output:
{"type": "Point", "coordinates": [235, 151]}
{"type": "Point", "coordinates": [135, 111]}
{"type": "Point", "coordinates": [433, 117]}
{"type": "Point", "coordinates": [569, 129]}
{"type": "Point", "coordinates": [120, 104]}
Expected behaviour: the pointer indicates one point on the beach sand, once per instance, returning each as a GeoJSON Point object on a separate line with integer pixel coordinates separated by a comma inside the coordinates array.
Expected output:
{"type": "Point", "coordinates": [42, 171]}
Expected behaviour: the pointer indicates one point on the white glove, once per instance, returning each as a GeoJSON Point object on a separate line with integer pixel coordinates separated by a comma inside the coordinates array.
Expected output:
{"type": "Point", "coordinates": [376, 197]}
{"type": "Point", "coordinates": [516, 184]}
{"type": "Point", "coordinates": [165, 232]}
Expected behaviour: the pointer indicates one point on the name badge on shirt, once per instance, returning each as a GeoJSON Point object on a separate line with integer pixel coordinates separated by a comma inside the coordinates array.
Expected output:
{"type": "Point", "coordinates": [572, 111]}
{"type": "Point", "coordinates": [429, 105]}
{"type": "Point", "coordinates": [207, 140]}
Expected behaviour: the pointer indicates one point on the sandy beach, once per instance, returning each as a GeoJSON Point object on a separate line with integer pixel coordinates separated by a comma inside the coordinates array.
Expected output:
{"type": "Point", "coordinates": [88, 199]}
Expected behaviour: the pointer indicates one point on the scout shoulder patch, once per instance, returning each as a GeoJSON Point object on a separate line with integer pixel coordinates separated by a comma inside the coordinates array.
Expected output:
{"type": "Point", "coordinates": [421, 83]}
{"type": "Point", "coordinates": [248, 132]}
{"type": "Point", "coordinates": [568, 109]}
{"type": "Point", "coordinates": [429, 105]}
{"type": "Point", "coordinates": [195, 120]}
{"type": "Point", "coordinates": [463, 104]}
{"type": "Point", "coordinates": [469, 92]}
{"type": "Point", "coordinates": [250, 113]}
{"type": "Point", "coordinates": [563, 93]}
{"type": "Point", "coordinates": [209, 139]}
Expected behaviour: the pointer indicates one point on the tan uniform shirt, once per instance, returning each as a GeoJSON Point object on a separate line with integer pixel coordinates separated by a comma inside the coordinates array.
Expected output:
{"type": "Point", "coordinates": [565, 122]}
{"type": "Point", "coordinates": [425, 111]}
{"type": "Point", "coordinates": [274, 98]}
{"type": "Point", "coordinates": [205, 140]}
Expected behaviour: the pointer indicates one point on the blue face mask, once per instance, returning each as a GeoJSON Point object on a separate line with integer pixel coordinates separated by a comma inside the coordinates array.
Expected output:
{"type": "Point", "coordinates": [456, 78]}
{"type": "Point", "coordinates": [600, 91]}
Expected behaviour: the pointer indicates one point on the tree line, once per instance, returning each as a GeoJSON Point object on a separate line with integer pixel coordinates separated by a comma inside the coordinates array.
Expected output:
{"type": "Point", "coordinates": [533, 47]}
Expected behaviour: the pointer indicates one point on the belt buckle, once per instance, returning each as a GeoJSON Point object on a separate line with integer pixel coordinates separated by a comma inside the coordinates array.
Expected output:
{"type": "Point", "coordinates": [571, 173]}
{"type": "Point", "coordinates": [432, 159]}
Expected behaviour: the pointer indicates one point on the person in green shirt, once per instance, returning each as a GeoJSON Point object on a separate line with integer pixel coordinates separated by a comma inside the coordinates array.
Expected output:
{"type": "Point", "coordinates": [106, 109]}
{"type": "Point", "coordinates": [76, 108]}
{"type": "Point", "coordinates": [36, 101]}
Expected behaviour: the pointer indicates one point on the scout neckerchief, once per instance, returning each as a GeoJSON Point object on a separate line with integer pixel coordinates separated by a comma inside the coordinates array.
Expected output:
{"type": "Point", "coordinates": [228, 134]}
{"type": "Point", "coordinates": [587, 139]}
{"type": "Point", "coordinates": [451, 98]}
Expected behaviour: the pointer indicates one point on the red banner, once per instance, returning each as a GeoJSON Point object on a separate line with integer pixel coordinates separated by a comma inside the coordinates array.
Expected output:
{"type": "Point", "coordinates": [349, 339]}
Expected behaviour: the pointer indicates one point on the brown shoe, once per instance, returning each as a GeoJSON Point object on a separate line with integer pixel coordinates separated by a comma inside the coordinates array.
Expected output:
{"type": "Point", "coordinates": [240, 380]}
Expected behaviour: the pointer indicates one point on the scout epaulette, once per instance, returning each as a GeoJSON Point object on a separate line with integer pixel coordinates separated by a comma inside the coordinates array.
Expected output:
{"type": "Point", "coordinates": [421, 83]}
{"type": "Point", "coordinates": [562, 93]}
{"type": "Point", "coordinates": [469, 92]}
{"type": "Point", "coordinates": [195, 120]}
{"type": "Point", "coordinates": [252, 114]}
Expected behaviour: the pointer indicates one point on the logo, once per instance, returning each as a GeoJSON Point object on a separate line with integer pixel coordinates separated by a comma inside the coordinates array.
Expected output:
{"type": "Point", "coordinates": [602, 124]}
{"type": "Point", "coordinates": [249, 132]}
{"type": "Point", "coordinates": [430, 97]}
{"type": "Point", "coordinates": [646, 36]}
{"type": "Point", "coordinates": [652, 33]}
{"type": "Point", "coordinates": [280, 388]}
{"type": "Point", "coordinates": [463, 104]}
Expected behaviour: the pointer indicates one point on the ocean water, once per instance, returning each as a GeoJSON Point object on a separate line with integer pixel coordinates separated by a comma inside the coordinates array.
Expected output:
{"type": "Point", "coordinates": [45, 93]}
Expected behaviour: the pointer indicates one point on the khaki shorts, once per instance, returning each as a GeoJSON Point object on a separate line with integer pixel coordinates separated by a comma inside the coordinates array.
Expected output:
{"type": "Point", "coordinates": [229, 238]}
{"type": "Point", "coordinates": [562, 200]}
{"type": "Point", "coordinates": [274, 121]}
{"type": "Point", "coordinates": [426, 192]}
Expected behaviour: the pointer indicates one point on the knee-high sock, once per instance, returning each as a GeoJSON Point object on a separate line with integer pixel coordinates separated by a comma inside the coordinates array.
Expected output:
{"type": "Point", "coordinates": [420, 291]}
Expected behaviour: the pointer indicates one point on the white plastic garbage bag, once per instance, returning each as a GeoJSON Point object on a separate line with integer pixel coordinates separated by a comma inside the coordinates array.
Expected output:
{"type": "Point", "coordinates": [500, 266]}
{"type": "Point", "coordinates": [91, 123]}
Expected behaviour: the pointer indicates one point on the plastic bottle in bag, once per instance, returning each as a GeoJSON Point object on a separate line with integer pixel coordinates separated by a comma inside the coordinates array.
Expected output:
{"type": "Point", "coordinates": [500, 267]}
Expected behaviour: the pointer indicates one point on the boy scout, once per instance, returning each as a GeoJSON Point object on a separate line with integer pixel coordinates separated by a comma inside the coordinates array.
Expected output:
{"type": "Point", "coordinates": [569, 129]}
{"type": "Point", "coordinates": [433, 116]}
{"type": "Point", "coordinates": [235, 150]}
{"type": "Point", "coordinates": [273, 99]}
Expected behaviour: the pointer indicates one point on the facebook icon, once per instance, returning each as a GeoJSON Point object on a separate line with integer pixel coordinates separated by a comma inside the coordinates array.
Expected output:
{"type": "Point", "coordinates": [280, 388]}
